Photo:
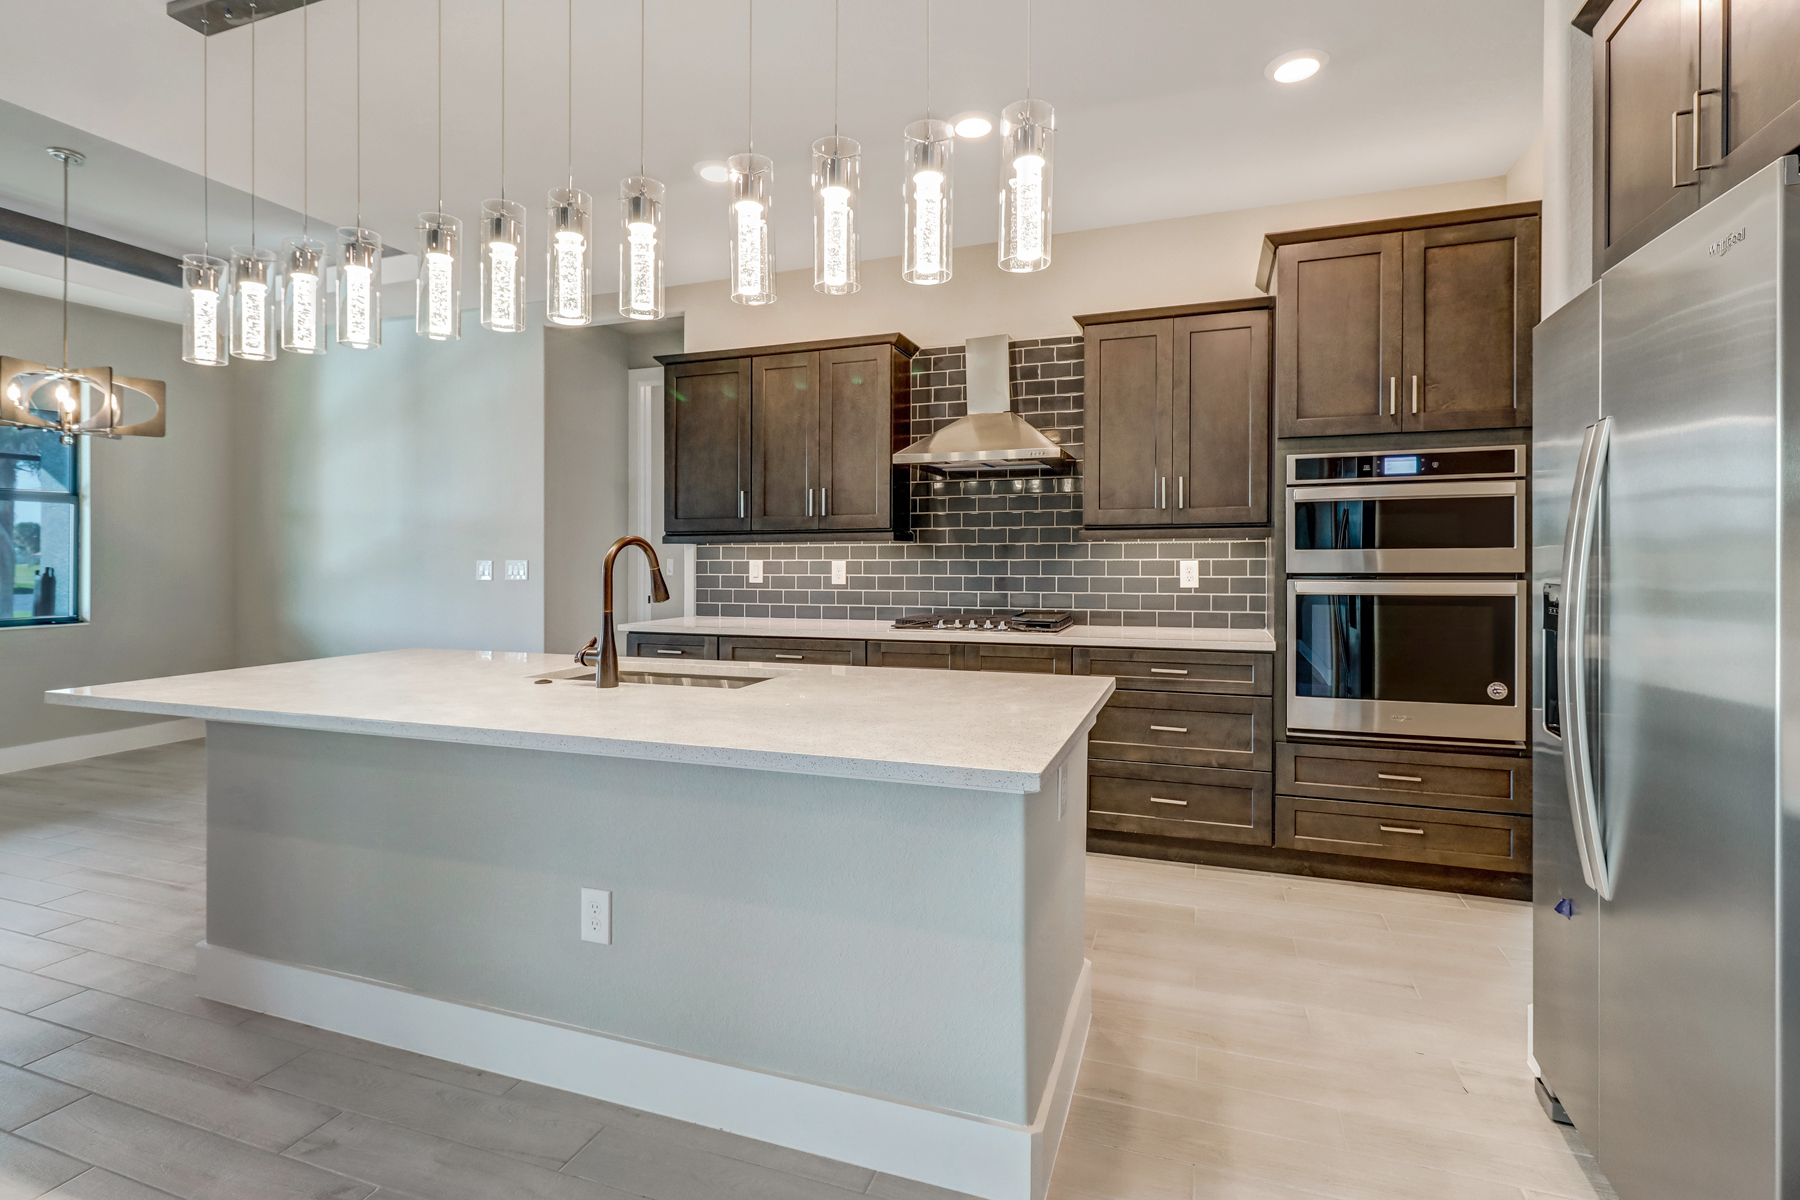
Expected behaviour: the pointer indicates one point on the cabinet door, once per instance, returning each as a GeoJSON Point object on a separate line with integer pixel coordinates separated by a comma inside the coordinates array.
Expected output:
{"type": "Point", "coordinates": [1221, 412]}
{"type": "Point", "coordinates": [706, 447]}
{"type": "Point", "coordinates": [856, 438]}
{"type": "Point", "coordinates": [784, 464]}
{"type": "Point", "coordinates": [1758, 42]}
{"type": "Point", "coordinates": [1645, 75]}
{"type": "Point", "coordinates": [1130, 387]}
{"type": "Point", "coordinates": [1471, 301]}
{"type": "Point", "coordinates": [1337, 336]}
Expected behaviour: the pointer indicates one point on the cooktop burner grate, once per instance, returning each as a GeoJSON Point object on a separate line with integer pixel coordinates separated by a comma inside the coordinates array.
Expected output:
{"type": "Point", "coordinates": [1035, 620]}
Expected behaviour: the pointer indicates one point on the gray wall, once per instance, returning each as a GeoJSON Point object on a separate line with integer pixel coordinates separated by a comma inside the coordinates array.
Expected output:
{"type": "Point", "coordinates": [372, 481]}
{"type": "Point", "coordinates": [920, 943]}
{"type": "Point", "coordinates": [161, 510]}
{"type": "Point", "coordinates": [584, 475]}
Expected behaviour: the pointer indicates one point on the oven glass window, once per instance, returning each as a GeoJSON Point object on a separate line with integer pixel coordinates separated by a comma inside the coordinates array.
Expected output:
{"type": "Point", "coordinates": [1420, 649]}
{"type": "Point", "coordinates": [1425, 523]}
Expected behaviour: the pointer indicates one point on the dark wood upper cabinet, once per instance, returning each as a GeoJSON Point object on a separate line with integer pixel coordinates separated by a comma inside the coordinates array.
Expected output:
{"type": "Point", "coordinates": [1415, 323]}
{"type": "Point", "coordinates": [1691, 97]}
{"type": "Point", "coordinates": [706, 446]}
{"type": "Point", "coordinates": [1471, 299]}
{"type": "Point", "coordinates": [790, 441]}
{"type": "Point", "coordinates": [1178, 417]}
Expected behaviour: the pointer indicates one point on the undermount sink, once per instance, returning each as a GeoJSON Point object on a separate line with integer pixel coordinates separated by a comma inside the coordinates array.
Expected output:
{"type": "Point", "coordinates": [695, 679]}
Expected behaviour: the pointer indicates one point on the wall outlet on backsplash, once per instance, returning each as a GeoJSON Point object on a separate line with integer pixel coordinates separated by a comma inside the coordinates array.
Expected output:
{"type": "Point", "coordinates": [840, 572]}
{"type": "Point", "coordinates": [1190, 572]}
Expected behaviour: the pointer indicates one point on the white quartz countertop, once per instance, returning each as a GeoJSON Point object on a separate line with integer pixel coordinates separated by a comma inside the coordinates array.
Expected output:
{"type": "Point", "coordinates": [1074, 635]}
{"type": "Point", "coordinates": [995, 732]}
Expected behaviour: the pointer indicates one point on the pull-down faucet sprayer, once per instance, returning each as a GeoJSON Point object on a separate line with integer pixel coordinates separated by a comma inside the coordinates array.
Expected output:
{"type": "Point", "coordinates": [606, 671]}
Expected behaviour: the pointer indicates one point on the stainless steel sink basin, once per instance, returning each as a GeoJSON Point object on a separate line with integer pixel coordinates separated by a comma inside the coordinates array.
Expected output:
{"type": "Point", "coordinates": [695, 679]}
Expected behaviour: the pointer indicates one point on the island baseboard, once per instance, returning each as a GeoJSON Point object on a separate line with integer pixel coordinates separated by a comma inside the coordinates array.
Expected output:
{"type": "Point", "coordinates": [975, 1155]}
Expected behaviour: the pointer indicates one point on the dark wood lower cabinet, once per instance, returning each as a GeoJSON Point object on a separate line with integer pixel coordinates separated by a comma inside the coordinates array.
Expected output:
{"type": "Point", "coordinates": [1196, 803]}
{"type": "Point", "coordinates": [1442, 837]}
{"type": "Point", "coordinates": [927, 656]}
{"type": "Point", "coordinates": [670, 645]}
{"type": "Point", "coordinates": [816, 652]}
{"type": "Point", "coordinates": [1194, 731]}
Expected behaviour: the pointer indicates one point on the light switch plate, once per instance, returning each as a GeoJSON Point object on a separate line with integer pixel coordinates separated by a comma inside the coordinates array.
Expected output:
{"type": "Point", "coordinates": [756, 570]}
{"type": "Point", "coordinates": [1190, 572]}
{"type": "Point", "coordinates": [516, 571]}
{"type": "Point", "coordinates": [484, 569]}
{"type": "Point", "coordinates": [596, 916]}
{"type": "Point", "coordinates": [840, 572]}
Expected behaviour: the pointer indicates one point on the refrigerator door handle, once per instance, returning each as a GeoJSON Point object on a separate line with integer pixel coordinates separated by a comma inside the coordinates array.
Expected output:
{"type": "Point", "coordinates": [1578, 541]}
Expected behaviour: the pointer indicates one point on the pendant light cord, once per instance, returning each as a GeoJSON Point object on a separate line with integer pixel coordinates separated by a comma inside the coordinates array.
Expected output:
{"type": "Point", "coordinates": [305, 123]}
{"type": "Point", "coordinates": [928, 60]}
{"type": "Point", "coordinates": [205, 140]}
{"type": "Point", "coordinates": [1029, 13]}
{"type": "Point", "coordinates": [750, 78]}
{"type": "Point", "coordinates": [359, 223]}
{"type": "Point", "coordinates": [65, 163]}
{"type": "Point", "coordinates": [642, 38]}
{"type": "Point", "coordinates": [253, 126]}
{"type": "Point", "coordinates": [440, 103]}
{"type": "Point", "coordinates": [502, 99]}
{"type": "Point", "coordinates": [569, 45]}
{"type": "Point", "coordinates": [836, 11]}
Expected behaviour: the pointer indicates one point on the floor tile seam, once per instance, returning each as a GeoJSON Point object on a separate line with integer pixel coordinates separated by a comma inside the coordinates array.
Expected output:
{"type": "Point", "coordinates": [1337, 1121]}
{"type": "Point", "coordinates": [85, 1092]}
{"type": "Point", "coordinates": [197, 892]}
{"type": "Point", "coordinates": [72, 867]}
{"type": "Point", "coordinates": [726, 1154]}
{"type": "Point", "coordinates": [74, 917]}
{"type": "Point", "coordinates": [121, 996]}
{"type": "Point", "coordinates": [88, 1033]}
{"type": "Point", "coordinates": [121, 924]}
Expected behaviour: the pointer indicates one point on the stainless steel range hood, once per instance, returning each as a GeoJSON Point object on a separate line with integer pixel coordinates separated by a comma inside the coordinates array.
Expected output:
{"type": "Point", "coordinates": [992, 436]}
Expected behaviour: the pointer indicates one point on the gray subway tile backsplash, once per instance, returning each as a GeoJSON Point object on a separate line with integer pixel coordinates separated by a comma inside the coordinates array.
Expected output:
{"type": "Point", "coordinates": [1006, 540]}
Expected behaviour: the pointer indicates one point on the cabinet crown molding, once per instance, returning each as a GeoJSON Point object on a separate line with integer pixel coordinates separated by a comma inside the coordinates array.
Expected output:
{"type": "Point", "coordinates": [899, 341]}
{"type": "Point", "coordinates": [1265, 267]}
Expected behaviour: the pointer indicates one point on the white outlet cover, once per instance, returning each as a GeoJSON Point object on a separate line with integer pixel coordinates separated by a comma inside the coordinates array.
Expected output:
{"type": "Point", "coordinates": [756, 570]}
{"type": "Point", "coordinates": [516, 570]}
{"type": "Point", "coordinates": [1190, 572]}
{"type": "Point", "coordinates": [484, 569]}
{"type": "Point", "coordinates": [840, 572]}
{"type": "Point", "coordinates": [596, 916]}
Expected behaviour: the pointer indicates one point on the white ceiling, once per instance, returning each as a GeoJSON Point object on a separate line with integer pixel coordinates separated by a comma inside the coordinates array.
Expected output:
{"type": "Point", "coordinates": [1162, 107]}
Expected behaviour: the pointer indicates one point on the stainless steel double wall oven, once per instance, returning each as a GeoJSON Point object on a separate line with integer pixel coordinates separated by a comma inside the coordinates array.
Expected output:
{"type": "Point", "coordinates": [1407, 598]}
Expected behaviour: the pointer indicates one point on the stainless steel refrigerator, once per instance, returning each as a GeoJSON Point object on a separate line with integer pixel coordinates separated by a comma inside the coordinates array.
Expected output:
{"type": "Point", "coordinates": [1666, 724]}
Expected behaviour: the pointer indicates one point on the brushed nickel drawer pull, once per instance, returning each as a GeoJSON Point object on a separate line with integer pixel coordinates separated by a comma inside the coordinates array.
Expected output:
{"type": "Point", "coordinates": [1167, 671]}
{"type": "Point", "coordinates": [1401, 778]}
{"type": "Point", "coordinates": [1166, 800]}
{"type": "Point", "coordinates": [790, 656]}
{"type": "Point", "coordinates": [671, 652]}
{"type": "Point", "coordinates": [1399, 829]}
{"type": "Point", "coordinates": [1170, 728]}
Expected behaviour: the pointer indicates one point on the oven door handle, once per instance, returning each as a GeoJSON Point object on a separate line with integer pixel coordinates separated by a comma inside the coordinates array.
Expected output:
{"type": "Point", "coordinates": [1578, 541]}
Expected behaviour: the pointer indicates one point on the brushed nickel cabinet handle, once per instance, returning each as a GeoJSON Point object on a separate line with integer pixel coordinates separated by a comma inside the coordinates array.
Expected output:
{"type": "Point", "coordinates": [809, 502]}
{"type": "Point", "coordinates": [1166, 800]}
{"type": "Point", "coordinates": [1401, 778]}
{"type": "Point", "coordinates": [1181, 491]}
{"type": "Point", "coordinates": [740, 504]}
{"type": "Point", "coordinates": [1399, 829]}
{"type": "Point", "coordinates": [1167, 671]}
{"type": "Point", "coordinates": [801, 656]}
{"type": "Point", "coordinates": [1162, 492]}
{"type": "Point", "coordinates": [1675, 147]}
{"type": "Point", "coordinates": [1698, 165]}
{"type": "Point", "coordinates": [1170, 728]}
{"type": "Point", "coordinates": [1415, 394]}
{"type": "Point", "coordinates": [822, 502]}
{"type": "Point", "coordinates": [675, 652]}
{"type": "Point", "coordinates": [1393, 388]}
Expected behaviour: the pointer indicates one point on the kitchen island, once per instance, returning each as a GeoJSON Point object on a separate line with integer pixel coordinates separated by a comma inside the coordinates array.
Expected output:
{"type": "Point", "coordinates": [844, 904]}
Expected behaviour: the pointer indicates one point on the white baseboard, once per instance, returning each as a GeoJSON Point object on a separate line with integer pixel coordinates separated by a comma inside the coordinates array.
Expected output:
{"type": "Point", "coordinates": [970, 1154]}
{"type": "Point", "coordinates": [93, 745]}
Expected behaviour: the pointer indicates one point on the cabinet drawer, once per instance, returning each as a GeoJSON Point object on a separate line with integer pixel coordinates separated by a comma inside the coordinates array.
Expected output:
{"type": "Point", "coordinates": [1473, 782]}
{"type": "Point", "coordinates": [1193, 731]}
{"type": "Point", "coordinates": [671, 645]}
{"type": "Point", "coordinates": [1184, 802]}
{"type": "Point", "coordinates": [1034, 660]}
{"type": "Point", "coordinates": [931, 656]}
{"type": "Point", "coordinates": [1488, 841]}
{"type": "Point", "coordinates": [794, 651]}
{"type": "Point", "coordinates": [1210, 671]}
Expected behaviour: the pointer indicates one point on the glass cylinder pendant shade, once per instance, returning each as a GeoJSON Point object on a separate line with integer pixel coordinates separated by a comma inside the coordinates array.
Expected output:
{"type": "Point", "coordinates": [438, 290]}
{"type": "Point", "coordinates": [837, 170]}
{"type": "Point", "coordinates": [359, 289]}
{"type": "Point", "coordinates": [1027, 130]}
{"type": "Point", "coordinates": [503, 266]}
{"type": "Point", "coordinates": [925, 258]}
{"type": "Point", "coordinates": [300, 284]}
{"type": "Point", "coordinates": [640, 248]}
{"type": "Point", "coordinates": [253, 332]}
{"type": "Point", "coordinates": [570, 258]}
{"type": "Point", "coordinates": [206, 313]}
{"type": "Point", "coordinates": [752, 241]}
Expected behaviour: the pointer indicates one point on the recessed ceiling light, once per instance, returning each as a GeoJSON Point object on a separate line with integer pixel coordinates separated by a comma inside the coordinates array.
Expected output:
{"type": "Point", "coordinates": [973, 125]}
{"type": "Point", "coordinates": [712, 171]}
{"type": "Point", "coordinates": [1296, 66]}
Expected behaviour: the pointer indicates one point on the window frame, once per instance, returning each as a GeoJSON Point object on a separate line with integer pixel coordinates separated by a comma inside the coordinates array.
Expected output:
{"type": "Point", "coordinates": [79, 499]}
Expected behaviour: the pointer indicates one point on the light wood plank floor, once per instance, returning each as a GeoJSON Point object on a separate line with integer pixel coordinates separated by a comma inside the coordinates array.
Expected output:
{"type": "Point", "coordinates": [1255, 1037]}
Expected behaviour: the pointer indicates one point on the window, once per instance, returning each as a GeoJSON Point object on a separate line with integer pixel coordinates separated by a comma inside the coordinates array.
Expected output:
{"type": "Point", "coordinates": [40, 528]}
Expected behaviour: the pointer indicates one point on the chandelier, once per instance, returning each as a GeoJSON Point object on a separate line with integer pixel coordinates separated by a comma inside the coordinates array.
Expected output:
{"type": "Point", "coordinates": [73, 401]}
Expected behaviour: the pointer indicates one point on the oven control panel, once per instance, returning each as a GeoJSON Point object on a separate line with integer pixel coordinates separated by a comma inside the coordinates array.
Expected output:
{"type": "Point", "coordinates": [1477, 462]}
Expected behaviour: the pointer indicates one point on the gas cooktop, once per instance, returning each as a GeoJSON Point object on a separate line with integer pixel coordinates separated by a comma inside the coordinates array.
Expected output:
{"type": "Point", "coordinates": [1035, 620]}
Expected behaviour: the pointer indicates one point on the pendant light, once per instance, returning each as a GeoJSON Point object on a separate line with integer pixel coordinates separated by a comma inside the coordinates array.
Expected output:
{"type": "Point", "coordinates": [640, 221]}
{"type": "Point", "coordinates": [503, 237]}
{"type": "Point", "coordinates": [253, 334]}
{"type": "Point", "coordinates": [1027, 132]}
{"type": "Point", "coordinates": [569, 240]}
{"type": "Point", "coordinates": [206, 308]}
{"type": "Point", "coordinates": [752, 181]}
{"type": "Point", "coordinates": [73, 401]}
{"type": "Point", "coordinates": [837, 170]}
{"type": "Point", "coordinates": [925, 258]}
{"type": "Point", "coordinates": [301, 283]}
{"type": "Point", "coordinates": [437, 292]}
{"type": "Point", "coordinates": [359, 252]}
